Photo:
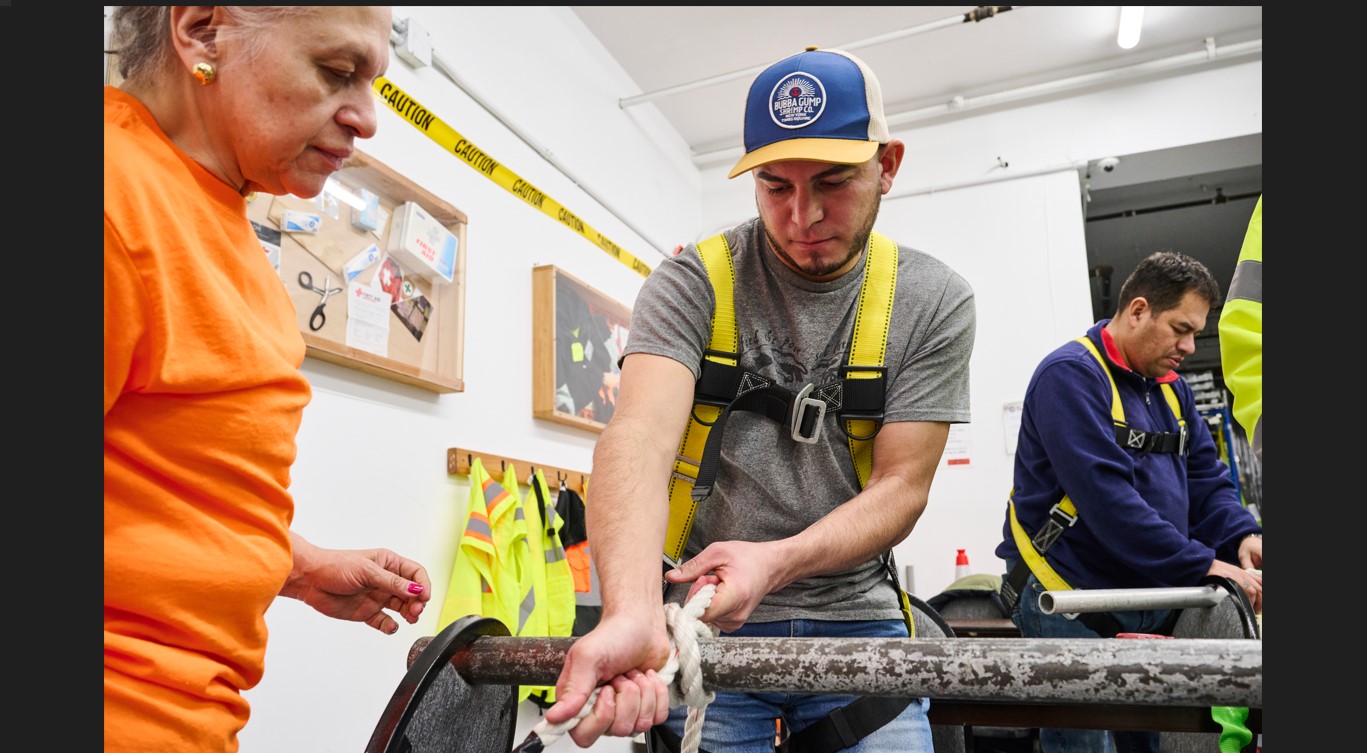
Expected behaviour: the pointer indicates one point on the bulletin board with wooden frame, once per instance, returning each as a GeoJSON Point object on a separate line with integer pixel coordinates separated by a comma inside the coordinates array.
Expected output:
{"type": "Point", "coordinates": [578, 336]}
{"type": "Point", "coordinates": [426, 321]}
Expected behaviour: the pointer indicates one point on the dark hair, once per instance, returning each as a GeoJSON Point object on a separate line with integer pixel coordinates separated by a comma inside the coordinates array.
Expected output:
{"type": "Point", "coordinates": [1164, 278]}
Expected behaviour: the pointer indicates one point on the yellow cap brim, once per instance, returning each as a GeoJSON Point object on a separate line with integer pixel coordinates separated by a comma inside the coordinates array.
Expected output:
{"type": "Point", "coordinates": [839, 151]}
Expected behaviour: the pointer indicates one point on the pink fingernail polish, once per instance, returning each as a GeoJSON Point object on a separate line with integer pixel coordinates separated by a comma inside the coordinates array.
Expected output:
{"type": "Point", "coordinates": [415, 588]}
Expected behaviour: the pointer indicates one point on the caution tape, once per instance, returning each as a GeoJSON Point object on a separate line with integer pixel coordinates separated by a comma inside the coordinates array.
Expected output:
{"type": "Point", "coordinates": [450, 139]}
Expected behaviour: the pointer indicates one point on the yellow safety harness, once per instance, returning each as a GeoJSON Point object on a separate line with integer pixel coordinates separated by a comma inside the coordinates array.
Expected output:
{"type": "Point", "coordinates": [1063, 515]}
{"type": "Point", "coordinates": [724, 386]}
{"type": "Point", "coordinates": [857, 398]}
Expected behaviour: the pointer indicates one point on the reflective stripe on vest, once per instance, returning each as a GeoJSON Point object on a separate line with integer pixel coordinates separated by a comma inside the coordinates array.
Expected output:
{"type": "Point", "coordinates": [472, 572]}
{"type": "Point", "coordinates": [554, 612]}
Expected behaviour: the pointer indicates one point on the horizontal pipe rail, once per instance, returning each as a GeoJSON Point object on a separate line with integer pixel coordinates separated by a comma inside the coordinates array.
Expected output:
{"type": "Point", "coordinates": [1076, 716]}
{"type": "Point", "coordinates": [1121, 599]}
{"type": "Point", "coordinates": [1175, 673]}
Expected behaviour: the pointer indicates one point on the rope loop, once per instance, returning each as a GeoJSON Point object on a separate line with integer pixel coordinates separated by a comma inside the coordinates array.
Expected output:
{"type": "Point", "coordinates": [686, 629]}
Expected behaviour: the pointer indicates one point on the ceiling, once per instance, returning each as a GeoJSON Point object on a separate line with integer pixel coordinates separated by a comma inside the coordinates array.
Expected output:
{"type": "Point", "coordinates": [925, 55]}
{"type": "Point", "coordinates": [696, 62]}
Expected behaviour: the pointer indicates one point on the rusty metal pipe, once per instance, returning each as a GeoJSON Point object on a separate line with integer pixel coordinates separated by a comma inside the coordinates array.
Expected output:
{"type": "Point", "coordinates": [1175, 673]}
{"type": "Point", "coordinates": [1122, 599]}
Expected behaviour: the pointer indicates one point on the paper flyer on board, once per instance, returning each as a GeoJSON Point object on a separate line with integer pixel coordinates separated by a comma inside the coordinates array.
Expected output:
{"type": "Point", "coordinates": [367, 322]}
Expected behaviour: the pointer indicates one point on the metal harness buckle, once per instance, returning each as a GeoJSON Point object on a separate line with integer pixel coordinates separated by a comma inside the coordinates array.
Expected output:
{"type": "Point", "coordinates": [1058, 522]}
{"type": "Point", "coordinates": [800, 405]}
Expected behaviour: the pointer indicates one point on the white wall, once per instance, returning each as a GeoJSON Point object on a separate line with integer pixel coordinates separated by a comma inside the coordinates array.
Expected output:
{"type": "Point", "coordinates": [371, 469]}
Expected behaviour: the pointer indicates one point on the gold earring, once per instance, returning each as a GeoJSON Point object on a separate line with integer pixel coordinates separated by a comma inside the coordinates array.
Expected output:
{"type": "Point", "coordinates": [204, 72]}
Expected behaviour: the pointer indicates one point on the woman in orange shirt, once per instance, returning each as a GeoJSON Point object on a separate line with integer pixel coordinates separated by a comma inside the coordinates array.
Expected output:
{"type": "Point", "coordinates": [203, 395]}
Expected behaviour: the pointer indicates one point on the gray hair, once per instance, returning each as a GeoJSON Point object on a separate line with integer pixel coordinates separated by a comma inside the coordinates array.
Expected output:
{"type": "Point", "coordinates": [142, 34]}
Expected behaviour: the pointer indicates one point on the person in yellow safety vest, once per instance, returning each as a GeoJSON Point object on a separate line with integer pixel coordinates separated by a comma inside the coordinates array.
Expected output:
{"type": "Point", "coordinates": [1241, 334]}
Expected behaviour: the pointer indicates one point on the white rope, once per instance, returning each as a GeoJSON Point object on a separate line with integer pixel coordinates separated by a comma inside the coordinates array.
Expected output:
{"type": "Point", "coordinates": [685, 629]}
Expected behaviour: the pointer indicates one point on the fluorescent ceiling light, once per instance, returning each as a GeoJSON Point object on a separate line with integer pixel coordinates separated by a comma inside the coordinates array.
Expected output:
{"type": "Point", "coordinates": [1131, 22]}
{"type": "Point", "coordinates": [345, 196]}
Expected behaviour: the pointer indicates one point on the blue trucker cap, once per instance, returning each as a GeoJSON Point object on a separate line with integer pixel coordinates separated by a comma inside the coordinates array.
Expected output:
{"type": "Point", "coordinates": [823, 105]}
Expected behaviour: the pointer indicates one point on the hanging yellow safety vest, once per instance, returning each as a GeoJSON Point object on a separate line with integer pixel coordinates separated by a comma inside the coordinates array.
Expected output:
{"type": "Point", "coordinates": [553, 582]}
{"type": "Point", "coordinates": [471, 591]}
{"type": "Point", "coordinates": [512, 577]}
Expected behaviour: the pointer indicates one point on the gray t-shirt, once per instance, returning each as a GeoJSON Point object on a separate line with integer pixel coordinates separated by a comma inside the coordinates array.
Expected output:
{"type": "Point", "coordinates": [797, 332]}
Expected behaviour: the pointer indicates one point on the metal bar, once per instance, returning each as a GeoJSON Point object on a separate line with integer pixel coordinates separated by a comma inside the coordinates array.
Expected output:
{"type": "Point", "coordinates": [1176, 672]}
{"type": "Point", "coordinates": [1073, 716]}
{"type": "Point", "coordinates": [1121, 599]}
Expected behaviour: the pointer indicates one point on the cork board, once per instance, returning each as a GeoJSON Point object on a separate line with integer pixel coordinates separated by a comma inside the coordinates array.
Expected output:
{"type": "Point", "coordinates": [384, 315]}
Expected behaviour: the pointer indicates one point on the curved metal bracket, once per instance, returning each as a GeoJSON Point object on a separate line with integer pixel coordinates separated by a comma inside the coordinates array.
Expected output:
{"type": "Point", "coordinates": [483, 721]}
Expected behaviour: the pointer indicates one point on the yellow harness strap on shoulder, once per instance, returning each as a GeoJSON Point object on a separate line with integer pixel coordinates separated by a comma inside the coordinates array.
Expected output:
{"type": "Point", "coordinates": [1046, 574]}
{"type": "Point", "coordinates": [1118, 412]}
{"type": "Point", "coordinates": [869, 343]}
{"type": "Point", "coordinates": [716, 257]}
{"type": "Point", "coordinates": [868, 348]}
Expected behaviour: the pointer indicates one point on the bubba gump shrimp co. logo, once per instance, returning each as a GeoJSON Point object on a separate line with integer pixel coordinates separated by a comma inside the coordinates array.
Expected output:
{"type": "Point", "coordinates": [797, 101]}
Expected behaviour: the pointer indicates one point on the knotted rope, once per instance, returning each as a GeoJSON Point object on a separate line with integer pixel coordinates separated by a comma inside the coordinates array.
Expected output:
{"type": "Point", "coordinates": [685, 629]}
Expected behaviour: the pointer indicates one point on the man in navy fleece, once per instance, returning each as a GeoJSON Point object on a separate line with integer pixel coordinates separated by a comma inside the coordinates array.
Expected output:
{"type": "Point", "coordinates": [1118, 483]}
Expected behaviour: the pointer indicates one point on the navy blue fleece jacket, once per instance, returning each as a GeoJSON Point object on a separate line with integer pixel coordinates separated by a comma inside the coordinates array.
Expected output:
{"type": "Point", "coordinates": [1144, 520]}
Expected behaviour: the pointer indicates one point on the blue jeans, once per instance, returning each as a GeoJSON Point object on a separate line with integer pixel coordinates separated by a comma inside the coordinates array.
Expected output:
{"type": "Point", "coordinates": [1034, 623]}
{"type": "Point", "coordinates": [744, 722]}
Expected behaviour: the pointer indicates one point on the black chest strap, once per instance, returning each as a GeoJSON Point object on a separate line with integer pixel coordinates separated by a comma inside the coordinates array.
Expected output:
{"type": "Point", "coordinates": [1134, 439]}
{"type": "Point", "coordinates": [722, 386]}
{"type": "Point", "coordinates": [801, 412]}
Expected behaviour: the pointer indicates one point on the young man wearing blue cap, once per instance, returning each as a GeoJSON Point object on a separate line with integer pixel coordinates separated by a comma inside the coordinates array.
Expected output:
{"type": "Point", "coordinates": [844, 365]}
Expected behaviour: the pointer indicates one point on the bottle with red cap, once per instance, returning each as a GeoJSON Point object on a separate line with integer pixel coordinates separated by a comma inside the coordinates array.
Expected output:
{"type": "Point", "coordinates": [961, 565]}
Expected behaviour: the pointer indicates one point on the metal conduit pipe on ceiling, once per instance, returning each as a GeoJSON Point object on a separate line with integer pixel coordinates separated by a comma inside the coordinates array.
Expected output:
{"type": "Point", "coordinates": [978, 14]}
{"type": "Point", "coordinates": [1207, 56]}
{"type": "Point", "coordinates": [396, 39]}
{"type": "Point", "coordinates": [1047, 169]}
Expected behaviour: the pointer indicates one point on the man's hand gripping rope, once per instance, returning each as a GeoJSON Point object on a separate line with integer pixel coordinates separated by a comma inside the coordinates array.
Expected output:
{"type": "Point", "coordinates": [685, 628]}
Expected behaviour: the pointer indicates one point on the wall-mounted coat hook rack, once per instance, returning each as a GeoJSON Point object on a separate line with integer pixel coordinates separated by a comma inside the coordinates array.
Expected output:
{"type": "Point", "coordinates": [459, 460]}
